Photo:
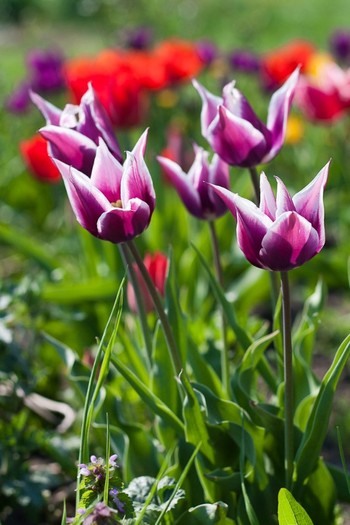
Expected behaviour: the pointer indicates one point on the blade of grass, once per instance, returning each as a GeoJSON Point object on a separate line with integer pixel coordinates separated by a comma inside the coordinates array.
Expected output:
{"type": "Point", "coordinates": [179, 482]}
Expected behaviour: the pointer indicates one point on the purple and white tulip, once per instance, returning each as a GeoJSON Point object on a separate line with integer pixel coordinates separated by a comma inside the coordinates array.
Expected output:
{"type": "Point", "coordinates": [116, 202]}
{"type": "Point", "coordinates": [193, 188]}
{"type": "Point", "coordinates": [73, 133]}
{"type": "Point", "coordinates": [283, 232]}
{"type": "Point", "coordinates": [234, 131]}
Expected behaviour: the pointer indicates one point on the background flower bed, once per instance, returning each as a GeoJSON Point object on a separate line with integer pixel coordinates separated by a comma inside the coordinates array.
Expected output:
{"type": "Point", "coordinates": [57, 280]}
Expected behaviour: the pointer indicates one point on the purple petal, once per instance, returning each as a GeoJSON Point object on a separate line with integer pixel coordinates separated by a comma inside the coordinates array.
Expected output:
{"type": "Point", "coordinates": [289, 243]}
{"type": "Point", "coordinates": [309, 202]}
{"type": "Point", "coordinates": [51, 114]}
{"type": "Point", "coordinates": [278, 114]}
{"type": "Point", "coordinates": [236, 140]}
{"type": "Point", "coordinates": [107, 173]}
{"type": "Point", "coordinates": [120, 225]}
{"type": "Point", "coordinates": [267, 198]}
{"type": "Point", "coordinates": [136, 181]}
{"type": "Point", "coordinates": [70, 147]}
{"type": "Point", "coordinates": [209, 108]}
{"type": "Point", "coordinates": [97, 122]}
{"type": "Point", "coordinates": [235, 102]}
{"type": "Point", "coordinates": [183, 186]}
{"type": "Point", "coordinates": [283, 199]}
{"type": "Point", "coordinates": [87, 202]}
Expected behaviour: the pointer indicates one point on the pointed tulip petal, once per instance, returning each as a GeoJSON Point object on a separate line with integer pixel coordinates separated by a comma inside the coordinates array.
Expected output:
{"type": "Point", "coordinates": [70, 147]}
{"type": "Point", "coordinates": [309, 202]}
{"type": "Point", "coordinates": [239, 106]}
{"type": "Point", "coordinates": [136, 180]}
{"type": "Point", "coordinates": [267, 198]}
{"type": "Point", "coordinates": [98, 123]}
{"type": "Point", "coordinates": [289, 243]}
{"type": "Point", "coordinates": [87, 202]}
{"type": "Point", "coordinates": [278, 114]}
{"type": "Point", "coordinates": [120, 225]}
{"type": "Point", "coordinates": [51, 114]}
{"type": "Point", "coordinates": [284, 201]}
{"type": "Point", "coordinates": [235, 140]}
{"type": "Point", "coordinates": [107, 173]}
{"type": "Point", "coordinates": [210, 106]}
{"type": "Point", "coordinates": [183, 186]}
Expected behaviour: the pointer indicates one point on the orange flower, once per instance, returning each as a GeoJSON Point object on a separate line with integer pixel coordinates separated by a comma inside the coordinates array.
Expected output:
{"type": "Point", "coordinates": [278, 65]}
{"type": "Point", "coordinates": [37, 160]}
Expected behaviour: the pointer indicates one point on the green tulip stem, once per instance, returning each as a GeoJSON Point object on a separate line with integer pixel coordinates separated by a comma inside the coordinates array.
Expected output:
{"type": "Point", "coordinates": [173, 348]}
{"type": "Point", "coordinates": [256, 186]}
{"type": "Point", "coordinates": [128, 262]}
{"type": "Point", "coordinates": [225, 364]}
{"type": "Point", "coordinates": [288, 380]}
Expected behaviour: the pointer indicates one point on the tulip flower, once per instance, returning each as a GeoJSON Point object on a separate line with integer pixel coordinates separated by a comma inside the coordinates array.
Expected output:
{"type": "Point", "coordinates": [38, 162]}
{"type": "Point", "coordinates": [323, 92]}
{"type": "Point", "coordinates": [278, 65]}
{"type": "Point", "coordinates": [283, 232]}
{"type": "Point", "coordinates": [116, 203]}
{"type": "Point", "coordinates": [157, 267]}
{"type": "Point", "coordinates": [73, 133]}
{"type": "Point", "coordinates": [234, 131]}
{"type": "Point", "coordinates": [193, 188]}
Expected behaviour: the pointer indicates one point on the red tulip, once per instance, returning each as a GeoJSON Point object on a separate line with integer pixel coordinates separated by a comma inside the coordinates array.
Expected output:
{"type": "Point", "coordinates": [157, 267]}
{"type": "Point", "coordinates": [35, 155]}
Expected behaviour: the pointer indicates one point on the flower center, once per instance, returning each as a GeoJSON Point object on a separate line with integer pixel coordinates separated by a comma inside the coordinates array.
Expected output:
{"type": "Point", "coordinates": [117, 204]}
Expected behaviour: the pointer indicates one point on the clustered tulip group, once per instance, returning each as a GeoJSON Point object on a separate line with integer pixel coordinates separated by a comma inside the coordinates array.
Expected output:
{"type": "Point", "coordinates": [115, 201]}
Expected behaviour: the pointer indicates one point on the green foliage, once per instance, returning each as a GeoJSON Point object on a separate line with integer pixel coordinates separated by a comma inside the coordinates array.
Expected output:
{"type": "Point", "coordinates": [290, 512]}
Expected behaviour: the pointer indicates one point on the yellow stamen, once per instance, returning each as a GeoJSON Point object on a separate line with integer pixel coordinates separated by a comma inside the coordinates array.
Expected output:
{"type": "Point", "coordinates": [117, 204]}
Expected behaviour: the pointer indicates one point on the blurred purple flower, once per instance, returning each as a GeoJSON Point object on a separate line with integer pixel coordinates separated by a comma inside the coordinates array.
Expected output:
{"type": "Point", "coordinates": [116, 203]}
{"type": "Point", "coordinates": [245, 61]}
{"type": "Point", "coordinates": [139, 38]}
{"type": "Point", "coordinates": [193, 187]}
{"type": "Point", "coordinates": [45, 74]}
{"type": "Point", "coordinates": [19, 100]}
{"type": "Point", "coordinates": [235, 132]}
{"type": "Point", "coordinates": [207, 51]}
{"type": "Point", "coordinates": [283, 232]}
{"type": "Point", "coordinates": [73, 133]}
{"type": "Point", "coordinates": [102, 514]}
{"type": "Point", "coordinates": [114, 495]}
{"type": "Point", "coordinates": [340, 45]}
{"type": "Point", "coordinates": [46, 70]}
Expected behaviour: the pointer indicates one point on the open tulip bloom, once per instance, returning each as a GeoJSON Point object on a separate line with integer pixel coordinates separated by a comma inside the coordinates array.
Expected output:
{"type": "Point", "coordinates": [116, 203]}
{"type": "Point", "coordinates": [283, 232]}
{"type": "Point", "coordinates": [73, 134]}
{"type": "Point", "coordinates": [193, 188]}
{"type": "Point", "coordinates": [235, 132]}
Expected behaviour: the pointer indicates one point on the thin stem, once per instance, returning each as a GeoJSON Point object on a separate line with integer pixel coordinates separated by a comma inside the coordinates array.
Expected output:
{"type": "Point", "coordinates": [174, 351]}
{"type": "Point", "coordinates": [288, 380]}
{"type": "Point", "coordinates": [128, 262]}
{"type": "Point", "coordinates": [225, 365]}
{"type": "Point", "coordinates": [255, 181]}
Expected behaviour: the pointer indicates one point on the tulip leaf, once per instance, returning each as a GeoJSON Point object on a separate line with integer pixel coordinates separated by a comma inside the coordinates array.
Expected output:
{"type": "Point", "coordinates": [96, 288]}
{"type": "Point", "coordinates": [151, 400]}
{"type": "Point", "coordinates": [290, 512]}
{"type": "Point", "coordinates": [316, 429]}
{"type": "Point", "coordinates": [242, 336]}
{"type": "Point", "coordinates": [206, 514]}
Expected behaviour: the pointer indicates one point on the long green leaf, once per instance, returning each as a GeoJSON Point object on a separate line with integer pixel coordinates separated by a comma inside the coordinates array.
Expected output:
{"type": "Point", "coordinates": [242, 336]}
{"type": "Point", "coordinates": [310, 447]}
{"type": "Point", "coordinates": [152, 401]}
